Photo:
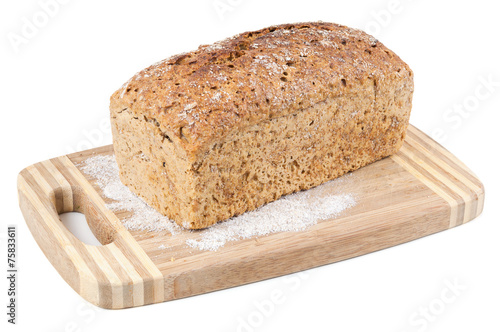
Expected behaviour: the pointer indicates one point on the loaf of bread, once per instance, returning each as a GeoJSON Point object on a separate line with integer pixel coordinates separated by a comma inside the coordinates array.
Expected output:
{"type": "Point", "coordinates": [207, 135]}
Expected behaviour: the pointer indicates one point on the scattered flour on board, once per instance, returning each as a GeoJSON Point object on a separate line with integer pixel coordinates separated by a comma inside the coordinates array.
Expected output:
{"type": "Point", "coordinates": [143, 217]}
{"type": "Point", "coordinates": [295, 212]}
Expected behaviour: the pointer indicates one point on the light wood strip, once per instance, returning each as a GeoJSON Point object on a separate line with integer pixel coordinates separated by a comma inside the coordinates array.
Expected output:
{"type": "Point", "coordinates": [429, 183]}
{"type": "Point", "coordinates": [88, 282]}
{"type": "Point", "coordinates": [158, 280]}
{"type": "Point", "coordinates": [115, 282]}
{"type": "Point", "coordinates": [42, 182]}
{"type": "Point", "coordinates": [64, 185]}
{"type": "Point", "coordinates": [445, 180]}
{"type": "Point", "coordinates": [137, 281]}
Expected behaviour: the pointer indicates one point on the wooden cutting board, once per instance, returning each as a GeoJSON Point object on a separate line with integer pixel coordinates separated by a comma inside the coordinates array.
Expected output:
{"type": "Point", "coordinates": [421, 190]}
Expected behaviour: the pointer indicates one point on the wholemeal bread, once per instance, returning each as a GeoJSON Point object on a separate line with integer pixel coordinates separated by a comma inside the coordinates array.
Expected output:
{"type": "Point", "coordinates": [207, 135]}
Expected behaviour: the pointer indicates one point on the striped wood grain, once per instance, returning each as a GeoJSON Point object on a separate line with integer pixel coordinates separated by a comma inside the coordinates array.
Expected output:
{"type": "Point", "coordinates": [421, 190]}
{"type": "Point", "coordinates": [116, 275]}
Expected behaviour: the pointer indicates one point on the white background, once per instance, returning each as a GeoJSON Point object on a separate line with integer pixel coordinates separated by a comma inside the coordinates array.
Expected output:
{"type": "Point", "coordinates": [55, 89]}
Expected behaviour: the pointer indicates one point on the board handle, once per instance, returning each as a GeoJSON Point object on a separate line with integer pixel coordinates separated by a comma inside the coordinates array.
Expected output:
{"type": "Point", "coordinates": [54, 194]}
{"type": "Point", "coordinates": [119, 273]}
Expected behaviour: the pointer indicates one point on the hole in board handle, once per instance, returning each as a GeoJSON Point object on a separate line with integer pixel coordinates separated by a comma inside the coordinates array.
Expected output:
{"type": "Point", "coordinates": [84, 219]}
{"type": "Point", "coordinates": [76, 223]}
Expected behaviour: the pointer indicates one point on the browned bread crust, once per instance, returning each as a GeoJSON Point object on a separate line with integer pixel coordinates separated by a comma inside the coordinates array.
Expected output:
{"type": "Point", "coordinates": [179, 114]}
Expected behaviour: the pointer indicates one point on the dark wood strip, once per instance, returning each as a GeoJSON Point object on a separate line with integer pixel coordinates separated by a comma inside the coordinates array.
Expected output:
{"type": "Point", "coordinates": [125, 279]}
{"type": "Point", "coordinates": [146, 276]}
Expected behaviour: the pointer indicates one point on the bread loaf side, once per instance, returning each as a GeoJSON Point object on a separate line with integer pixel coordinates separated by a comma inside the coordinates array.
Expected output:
{"type": "Point", "coordinates": [206, 135]}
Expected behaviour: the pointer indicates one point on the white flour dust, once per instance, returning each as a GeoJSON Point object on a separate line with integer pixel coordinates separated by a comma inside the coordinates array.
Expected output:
{"type": "Point", "coordinates": [295, 212]}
